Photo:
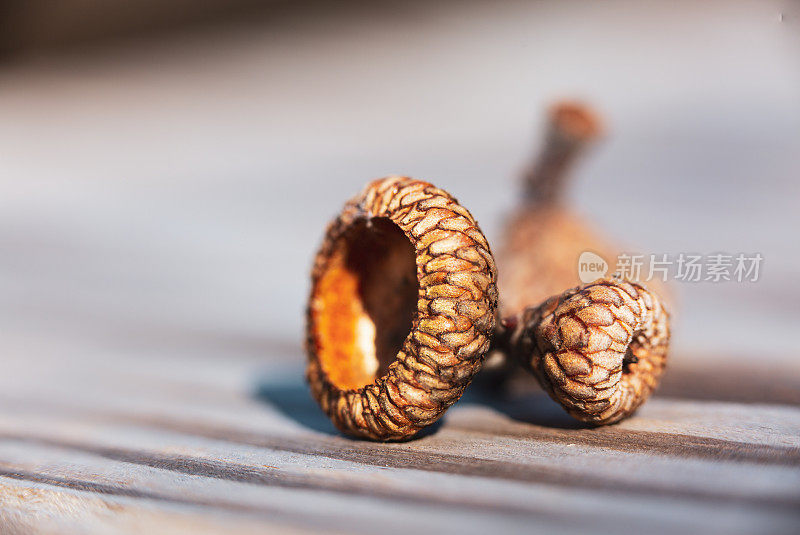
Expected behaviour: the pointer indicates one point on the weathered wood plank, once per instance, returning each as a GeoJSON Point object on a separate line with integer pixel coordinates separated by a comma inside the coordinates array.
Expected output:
{"type": "Point", "coordinates": [212, 426]}
{"type": "Point", "coordinates": [29, 507]}
{"type": "Point", "coordinates": [514, 501]}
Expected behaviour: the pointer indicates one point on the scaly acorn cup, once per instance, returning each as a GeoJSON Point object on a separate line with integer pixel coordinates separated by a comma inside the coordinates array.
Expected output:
{"type": "Point", "coordinates": [604, 362]}
{"type": "Point", "coordinates": [598, 349]}
{"type": "Point", "coordinates": [402, 308]}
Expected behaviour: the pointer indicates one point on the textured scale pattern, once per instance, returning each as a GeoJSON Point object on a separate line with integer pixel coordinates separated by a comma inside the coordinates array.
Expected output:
{"type": "Point", "coordinates": [598, 349]}
{"type": "Point", "coordinates": [450, 332]}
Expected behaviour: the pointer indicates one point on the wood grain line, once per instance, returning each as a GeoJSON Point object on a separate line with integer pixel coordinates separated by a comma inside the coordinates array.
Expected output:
{"type": "Point", "coordinates": [128, 492]}
{"type": "Point", "coordinates": [316, 521]}
{"type": "Point", "coordinates": [681, 445]}
{"type": "Point", "coordinates": [236, 472]}
{"type": "Point", "coordinates": [397, 456]}
{"type": "Point", "coordinates": [636, 441]}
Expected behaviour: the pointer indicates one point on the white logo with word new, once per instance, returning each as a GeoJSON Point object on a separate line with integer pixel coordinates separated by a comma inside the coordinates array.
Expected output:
{"type": "Point", "coordinates": [591, 267]}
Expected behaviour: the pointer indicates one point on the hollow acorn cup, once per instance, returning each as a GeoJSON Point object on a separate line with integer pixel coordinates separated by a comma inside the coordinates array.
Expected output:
{"type": "Point", "coordinates": [402, 308]}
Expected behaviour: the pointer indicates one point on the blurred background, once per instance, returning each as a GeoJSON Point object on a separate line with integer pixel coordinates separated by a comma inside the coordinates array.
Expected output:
{"type": "Point", "coordinates": [167, 169]}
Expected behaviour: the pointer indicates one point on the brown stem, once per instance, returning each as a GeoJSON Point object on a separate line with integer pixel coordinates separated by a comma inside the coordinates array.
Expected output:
{"type": "Point", "coordinates": [571, 127]}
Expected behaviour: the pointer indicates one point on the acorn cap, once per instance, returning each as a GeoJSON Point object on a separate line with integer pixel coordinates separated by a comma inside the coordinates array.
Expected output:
{"type": "Point", "coordinates": [598, 349]}
{"type": "Point", "coordinates": [402, 307]}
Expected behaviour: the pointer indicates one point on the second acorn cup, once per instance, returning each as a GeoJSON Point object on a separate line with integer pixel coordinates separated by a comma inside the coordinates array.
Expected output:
{"type": "Point", "coordinates": [404, 304]}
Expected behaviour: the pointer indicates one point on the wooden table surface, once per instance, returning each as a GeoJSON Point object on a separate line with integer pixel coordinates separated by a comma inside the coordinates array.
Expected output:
{"type": "Point", "coordinates": [170, 443]}
{"type": "Point", "coordinates": [160, 203]}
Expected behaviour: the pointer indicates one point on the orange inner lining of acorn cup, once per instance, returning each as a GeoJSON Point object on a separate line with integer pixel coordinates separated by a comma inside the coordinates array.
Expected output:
{"type": "Point", "coordinates": [364, 302]}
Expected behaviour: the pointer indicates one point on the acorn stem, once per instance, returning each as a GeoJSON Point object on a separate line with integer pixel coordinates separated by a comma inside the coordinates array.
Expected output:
{"type": "Point", "coordinates": [571, 128]}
